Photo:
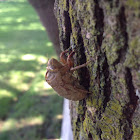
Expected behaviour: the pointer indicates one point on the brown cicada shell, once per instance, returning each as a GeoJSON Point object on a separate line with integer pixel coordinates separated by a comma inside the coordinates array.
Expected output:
{"type": "Point", "coordinates": [59, 77]}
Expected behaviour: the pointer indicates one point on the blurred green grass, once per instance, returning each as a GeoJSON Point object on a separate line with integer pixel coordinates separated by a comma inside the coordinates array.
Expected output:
{"type": "Point", "coordinates": [29, 108]}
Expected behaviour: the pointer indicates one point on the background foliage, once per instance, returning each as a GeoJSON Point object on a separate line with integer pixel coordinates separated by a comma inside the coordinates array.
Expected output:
{"type": "Point", "coordinates": [29, 108]}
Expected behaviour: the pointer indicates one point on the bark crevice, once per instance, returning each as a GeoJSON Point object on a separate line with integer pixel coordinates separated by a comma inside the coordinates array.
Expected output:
{"type": "Point", "coordinates": [130, 106]}
{"type": "Point", "coordinates": [68, 30]}
{"type": "Point", "coordinates": [84, 80]}
{"type": "Point", "coordinates": [83, 72]}
{"type": "Point", "coordinates": [103, 70]}
{"type": "Point", "coordinates": [107, 86]}
{"type": "Point", "coordinates": [122, 33]}
{"type": "Point", "coordinates": [99, 17]}
{"type": "Point", "coordinates": [90, 136]}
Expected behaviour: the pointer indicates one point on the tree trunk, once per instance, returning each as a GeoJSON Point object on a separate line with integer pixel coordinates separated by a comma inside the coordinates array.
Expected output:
{"type": "Point", "coordinates": [107, 33]}
{"type": "Point", "coordinates": [45, 11]}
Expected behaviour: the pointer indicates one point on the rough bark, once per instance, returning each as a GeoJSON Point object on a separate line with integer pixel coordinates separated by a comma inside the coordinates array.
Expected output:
{"type": "Point", "coordinates": [45, 11]}
{"type": "Point", "coordinates": [107, 32]}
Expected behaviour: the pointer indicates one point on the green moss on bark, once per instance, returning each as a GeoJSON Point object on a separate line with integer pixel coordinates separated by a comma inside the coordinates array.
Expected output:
{"type": "Point", "coordinates": [132, 58]}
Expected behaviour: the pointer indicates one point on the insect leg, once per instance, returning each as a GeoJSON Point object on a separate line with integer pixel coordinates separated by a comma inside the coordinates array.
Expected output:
{"type": "Point", "coordinates": [70, 60]}
{"type": "Point", "coordinates": [63, 57]}
{"type": "Point", "coordinates": [80, 66]}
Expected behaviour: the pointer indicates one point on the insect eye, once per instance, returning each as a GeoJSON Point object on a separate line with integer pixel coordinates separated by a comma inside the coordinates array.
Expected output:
{"type": "Point", "coordinates": [50, 68]}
